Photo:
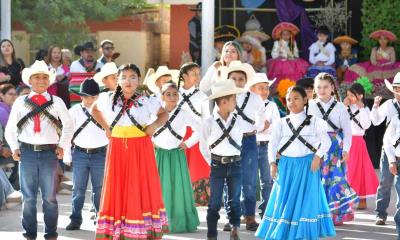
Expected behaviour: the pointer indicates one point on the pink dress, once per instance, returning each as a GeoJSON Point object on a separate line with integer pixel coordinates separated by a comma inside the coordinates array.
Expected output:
{"type": "Point", "coordinates": [60, 70]}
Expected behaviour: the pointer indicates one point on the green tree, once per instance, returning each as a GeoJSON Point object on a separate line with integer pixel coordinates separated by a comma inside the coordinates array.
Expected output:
{"type": "Point", "coordinates": [383, 14]}
{"type": "Point", "coordinates": [63, 22]}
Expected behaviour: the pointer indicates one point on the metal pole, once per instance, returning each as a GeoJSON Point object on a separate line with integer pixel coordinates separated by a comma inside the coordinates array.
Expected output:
{"type": "Point", "coordinates": [6, 19]}
{"type": "Point", "coordinates": [207, 34]}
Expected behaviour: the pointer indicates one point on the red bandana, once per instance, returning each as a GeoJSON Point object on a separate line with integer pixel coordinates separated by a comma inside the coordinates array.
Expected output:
{"type": "Point", "coordinates": [39, 100]}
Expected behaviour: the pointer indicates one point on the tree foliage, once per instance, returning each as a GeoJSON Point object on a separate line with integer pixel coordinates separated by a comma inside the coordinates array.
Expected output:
{"type": "Point", "coordinates": [383, 14]}
{"type": "Point", "coordinates": [63, 22]}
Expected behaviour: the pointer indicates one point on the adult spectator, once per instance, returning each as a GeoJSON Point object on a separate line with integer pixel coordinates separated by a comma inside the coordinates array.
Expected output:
{"type": "Point", "coordinates": [86, 63]}
{"type": "Point", "coordinates": [108, 53]}
{"type": "Point", "coordinates": [10, 65]}
{"type": "Point", "coordinates": [61, 84]}
{"type": "Point", "coordinates": [8, 95]}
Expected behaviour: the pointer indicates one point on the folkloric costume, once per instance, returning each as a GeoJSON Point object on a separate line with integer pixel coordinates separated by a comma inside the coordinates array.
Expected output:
{"type": "Point", "coordinates": [38, 124]}
{"type": "Point", "coordinates": [360, 172]}
{"type": "Point", "coordinates": [297, 208]}
{"type": "Point", "coordinates": [345, 57]}
{"type": "Point", "coordinates": [339, 194]}
{"type": "Point", "coordinates": [173, 170]}
{"type": "Point", "coordinates": [324, 54]}
{"type": "Point", "coordinates": [285, 62]}
{"type": "Point", "coordinates": [382, 64]}
{"type": "Point", "coordinates": [196, 103]}
{"type": "Point", "coordinates": [131, 204]}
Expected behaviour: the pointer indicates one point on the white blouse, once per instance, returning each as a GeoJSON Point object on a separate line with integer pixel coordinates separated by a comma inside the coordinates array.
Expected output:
{"type": "Point", "coordinates": [363, 117]}
{"type": "Point", "coordinates": [338, 116]}
{"type": "Point", "coordinates": [199, 101]}
{"type": "Point", "coordinates": [208, 79]}
{"type": "Point", "coordinates": [392, 134]}
{"type": "Point", "coordinates": [315, 133]}
{"type": "Point", "coordinates": [272, 115]}
{"type": "Point", "coordinates": [281, 49]}
{"type": "Point", "coordinates": [385, 111]}
{"type": "Point", "coordinates": [167, 140]}
{"type": "Point", "coordinates": [143, 112]}
{"type": "Point", "coordinates": [323, 54]}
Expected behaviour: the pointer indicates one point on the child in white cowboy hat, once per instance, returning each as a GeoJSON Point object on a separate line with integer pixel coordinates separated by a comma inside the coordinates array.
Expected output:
{"type": "Point", "coordinates": [87, 155]}
{"type": "Point", "coordinates": [252, 109]}
{"type": "Point", "coordinates": [107, 77]}
{"type": "Point", "coordinates": [39, 130]}
{"type": "Point", "coordinates": [155, 80]}
{"type": "Point", "coordinates": [391, 147]}
{"type": "Point", "coordinates": [388, 110]}
{"type": "Point", "coordinates": [260, 85]}
{"type": "Point", "coordinates": [220, 144]}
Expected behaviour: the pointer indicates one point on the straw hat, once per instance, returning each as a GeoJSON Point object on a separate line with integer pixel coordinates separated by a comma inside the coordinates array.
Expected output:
{"type": "Point", "coordinates": [198, 7]}
{"type": "Point", "coordinates": [238, 66]}
{"type": "Point", "coordinates": [260, 78]}
{"type": "Point", "coordinates": [345, 38]}
{"type": "Point", "coordinates": [224, 87]}
{"type": "Point", "coordinates": [249, 39]}
{"type": "Point", "coordinates": [108, 69]}
{"type": "Point", "coordinates": [261, 36]}
{"type": "Point", "coordinates": [395, 83]}
{"type": "Point", "coordinates": [284, 26]}
{"type": "Point", "coordinates": [226, 33]}
{"type": "Point", "coordinates": [36, 68]}
{"type": "Point", "coordinates": [151, 78]}
{"type": "Point", "coordinates": [383, 33]}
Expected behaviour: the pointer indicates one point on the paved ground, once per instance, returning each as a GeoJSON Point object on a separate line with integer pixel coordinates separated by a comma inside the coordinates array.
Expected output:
{"type": "Point", "coordinates": [362, 227]}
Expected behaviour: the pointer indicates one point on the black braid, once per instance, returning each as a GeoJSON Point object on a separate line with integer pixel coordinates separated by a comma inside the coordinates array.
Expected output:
{"type": "Point", "coordinates": [185, 68]}
{"type": "Point", "coordinates": [116, 95]}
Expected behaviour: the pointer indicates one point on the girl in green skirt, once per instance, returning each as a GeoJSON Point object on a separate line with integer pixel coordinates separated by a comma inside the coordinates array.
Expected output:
{"type": "Point", "coordinates": [172, 165]}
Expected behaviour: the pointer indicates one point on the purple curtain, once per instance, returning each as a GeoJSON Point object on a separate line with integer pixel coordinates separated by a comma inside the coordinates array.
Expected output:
{"type": "Point", "coordinates": [288, 11]}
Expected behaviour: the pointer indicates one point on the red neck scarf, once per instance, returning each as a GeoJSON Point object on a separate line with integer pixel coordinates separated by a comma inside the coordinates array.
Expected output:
{"type": "Point", "coordinates": [39, 100]}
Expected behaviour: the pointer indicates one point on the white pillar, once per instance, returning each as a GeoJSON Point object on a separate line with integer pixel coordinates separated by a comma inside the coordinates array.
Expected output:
{"type": "Point", "coordinates": [6, 19]}
{"type": "Point", "coordinates": [207, 34]}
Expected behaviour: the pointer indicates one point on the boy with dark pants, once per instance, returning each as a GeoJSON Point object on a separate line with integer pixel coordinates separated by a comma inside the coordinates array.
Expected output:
{"type": "Point", "coordinates": [220, 144]}
{"type": "Point", "coordinates": [38, 132]}
{"type": "Point", "coordinates": [88, 152]}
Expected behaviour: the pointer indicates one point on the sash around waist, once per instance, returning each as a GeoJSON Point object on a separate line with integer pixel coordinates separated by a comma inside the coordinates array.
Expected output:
{"type": "Point", "coordinates": [127, 132]}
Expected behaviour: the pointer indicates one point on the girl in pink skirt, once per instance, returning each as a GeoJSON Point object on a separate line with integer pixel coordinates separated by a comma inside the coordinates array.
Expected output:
{"type": "Point", "coordinates": [360, 173]}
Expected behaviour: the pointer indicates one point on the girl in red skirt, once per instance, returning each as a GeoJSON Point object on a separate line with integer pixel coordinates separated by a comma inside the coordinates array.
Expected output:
{"type": "Point", "coordinates": [131, 203]}
{"type": "Point", "coordinates": [196, 103]}
{"type": "Point", "coordinates": [360, 173]}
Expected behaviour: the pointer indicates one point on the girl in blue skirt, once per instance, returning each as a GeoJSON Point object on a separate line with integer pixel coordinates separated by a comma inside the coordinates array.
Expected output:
{"type": "Point", "coordinates": [297, 208]}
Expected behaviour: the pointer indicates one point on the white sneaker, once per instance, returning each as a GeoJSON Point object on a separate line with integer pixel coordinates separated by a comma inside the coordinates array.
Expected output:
{"type": "Point", "coordinates": [16, 196]}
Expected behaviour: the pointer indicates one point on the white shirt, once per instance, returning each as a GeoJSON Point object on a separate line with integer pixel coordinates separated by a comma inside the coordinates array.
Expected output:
{"type": "Point", "coordinates": [338, 116]}
{"type": "Point", "coordinates": [281, 49]}
{"type": "Point", "coordinates": [315, 134]}
{"type": "Point", "coordinates": [272, 115]}
{"type": "Point", "coordinates": [327, 54]}
{"type": "Point", "coordinates": [363, 117]}
{"type": "Point", "coordinates": [184, 119]}
{"type": "Point", "coordinates": [142, 114]}
{"type": "Point", "coordinates": [85, 138]}
{"type": "Point", "coordinates": [211, 132]}
{"type": "Point", "coordinates": [48, 133]}
{"type": "Point", "coordinates": [389, 139]}
{"type": "Point", "coordinates": [76, 67]}
{"type": "Point", "coordinates": [208, 80]}
{"type": "Point", "coordinates": [385, 111]}
{"type": "Point", "coordinates": [199, 101]}
{"type": "Point", "coordinates": [255, 110]}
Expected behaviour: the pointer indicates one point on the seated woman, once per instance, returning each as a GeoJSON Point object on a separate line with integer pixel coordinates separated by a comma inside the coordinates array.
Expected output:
{"type": "Point", "coordinates": [285, 62]}
{"type": "Point", "coordinates": [382, 64]}
{"type": "Point", "coordinates": [322, 54]}
{"type": "Point", "coordinates": [346, 57]}
{"type": "Point", "coordinates": [254, 53]}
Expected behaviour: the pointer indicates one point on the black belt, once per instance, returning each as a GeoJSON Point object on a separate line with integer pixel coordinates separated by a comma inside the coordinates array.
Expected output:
{"type": "Point", "coordinates": [262, 143]}
{"type": "Point", "coordinates": [91, 150]}
{"type": "Point", "coordinates": [225, 159]}
{"type": "Point", "coordinates": [39, 147]}
{"type": "Point", "coordinates": [248, 134]}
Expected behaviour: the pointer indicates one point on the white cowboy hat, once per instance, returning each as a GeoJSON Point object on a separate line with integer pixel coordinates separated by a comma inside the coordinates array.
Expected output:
{"type": "Point", "coordinates": [260, 78]}
{"type": "Point", "coordinates": [36, 68]}
{"type": "Point", "coordinates": [395, 83]}
{"type": "Point", "coordinates": [151, 78]}
{"type": "Point", "coordinates": [238, 66]}
{"type": "Point", "coordinates": [224, 87]}
{"type": "Point", "coordinates": [108, 69]}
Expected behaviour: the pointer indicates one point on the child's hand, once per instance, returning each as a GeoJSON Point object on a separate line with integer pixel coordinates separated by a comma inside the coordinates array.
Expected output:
{"type": "Point", "coordinates": [274, 169]}
{"type": "Point", "coordinates": [316, 163]}
{"type": "Point", "coordinates": [266, 125]}
{"type": "Point", "coordinates": [377, 101]}
{"type": "Point", "coordinates": [346, 101]}
{"type": "Point", "coordinates": [360, 104]}
{"type": "Point", "coordinates": [183, 146]}
{"type": "Point", "coordinates": [345, 156]}
{"type": "Point", "coordinates": [393, 168]}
